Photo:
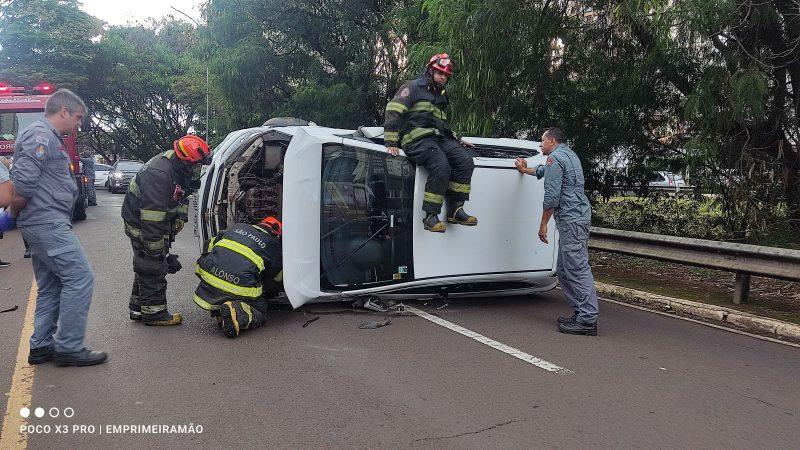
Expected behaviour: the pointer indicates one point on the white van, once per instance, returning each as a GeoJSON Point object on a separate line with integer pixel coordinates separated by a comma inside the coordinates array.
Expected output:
{"type": "Point", "coordinates": [352, 215]}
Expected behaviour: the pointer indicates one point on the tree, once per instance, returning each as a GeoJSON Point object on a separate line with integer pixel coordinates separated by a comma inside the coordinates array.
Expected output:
{"type": "Point", "coordinates": [149, 87]}
{"type": "Point", "coordinates": [333, 62]}
{"type": "Point", "coordinates": [47, 40]}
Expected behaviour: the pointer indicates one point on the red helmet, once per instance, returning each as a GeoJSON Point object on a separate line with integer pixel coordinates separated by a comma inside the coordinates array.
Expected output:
{"type": "Point", "coordinates": [273, 223]}
{"type": "Point", "coordinates": [442, 62]}
{"type": "Point", "coordinates": [191, 148]}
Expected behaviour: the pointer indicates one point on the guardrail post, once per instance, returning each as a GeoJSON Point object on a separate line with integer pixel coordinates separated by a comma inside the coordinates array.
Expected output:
{"type": "Point", "coordinates": [742, 288]}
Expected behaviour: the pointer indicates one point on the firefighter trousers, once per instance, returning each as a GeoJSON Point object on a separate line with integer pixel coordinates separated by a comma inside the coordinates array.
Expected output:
{"type": "Point", "coordinates": [149, 292]}
{"type": "Point", "coordinates": [449, 167]}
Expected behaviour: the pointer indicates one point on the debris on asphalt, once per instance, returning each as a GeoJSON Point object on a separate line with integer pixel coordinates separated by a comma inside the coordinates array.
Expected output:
{"type": "Point", "coordinates": [13, 308]}
{"type": "Point", "coordinates": [444, 306]}
{"type": "Point", "coordinates": [375, 324]}
{"type": "Point", "coordinates": [310, 321]}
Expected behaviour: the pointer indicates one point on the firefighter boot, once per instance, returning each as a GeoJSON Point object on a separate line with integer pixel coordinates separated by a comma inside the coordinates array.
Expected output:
{"type": "Point", "coordinates": [432, 223]}
{"type": "Point", "coordinates": [231, 313]}
{"type": "Point", "coordinates": [459, 216]}
{"type": "Point", "coordinates": [162, 320]}
{"type": "Point", "coordinates": [135, 312]}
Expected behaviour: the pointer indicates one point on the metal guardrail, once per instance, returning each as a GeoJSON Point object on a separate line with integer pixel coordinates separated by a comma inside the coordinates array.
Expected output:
{"type": "Point", "coordinates": [743, 260]}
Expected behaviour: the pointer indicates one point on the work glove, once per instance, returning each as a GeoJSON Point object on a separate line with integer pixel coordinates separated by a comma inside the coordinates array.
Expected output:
{"type": "Point", "coordinates": [178, 226]}
{"type": "Point", "coordinates": [173, 265]}
{"type": "Point", "coordinates": [147, 264]}
{"type": "Point", "coordinates": [7, 222]}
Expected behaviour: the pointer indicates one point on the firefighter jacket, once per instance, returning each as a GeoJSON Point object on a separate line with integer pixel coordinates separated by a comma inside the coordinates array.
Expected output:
{"type": "Point", "coordinates": [239, 263]}
{"type": "Point", "coordinates": [415, 112]}
{"type": "Point", "coordinates": [155, 201]}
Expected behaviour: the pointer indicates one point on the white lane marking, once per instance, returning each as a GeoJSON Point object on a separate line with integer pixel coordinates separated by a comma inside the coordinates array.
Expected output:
{"type": "Point", "coordinates": [719, 327]}
{"type": "Point", "coordinates": [516, 353]}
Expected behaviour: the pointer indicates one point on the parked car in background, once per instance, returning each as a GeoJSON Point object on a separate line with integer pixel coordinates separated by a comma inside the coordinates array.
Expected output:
{"type": "Point", "coordinates": [121, 174]}
{"type": "Point", "coordinates": [352, 215]}
{"type": "Point", "coordinates": [101, 174]}
{"type": "Point", "coordinates": [666, 181]}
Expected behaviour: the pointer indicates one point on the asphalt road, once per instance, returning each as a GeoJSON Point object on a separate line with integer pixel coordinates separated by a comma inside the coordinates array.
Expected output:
{"type": "Point", "coordinates": [645, 381]}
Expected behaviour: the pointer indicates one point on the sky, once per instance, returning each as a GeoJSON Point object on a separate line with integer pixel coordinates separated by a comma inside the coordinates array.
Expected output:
{"type": "Point", "coordinates": [122, 12]}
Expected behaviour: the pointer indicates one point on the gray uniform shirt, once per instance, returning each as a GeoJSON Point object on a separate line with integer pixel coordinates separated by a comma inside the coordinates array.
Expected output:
{"type": "Point", "coordinates": [4, 175]}
{"type": "Point", "coordinates": [564, 187]}
{"type": "Point", "coordinates": [42, 175]}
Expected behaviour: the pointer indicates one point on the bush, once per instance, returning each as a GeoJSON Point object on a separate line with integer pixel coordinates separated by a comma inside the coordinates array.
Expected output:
{"type": "Point", "coordinates": [662, 214]}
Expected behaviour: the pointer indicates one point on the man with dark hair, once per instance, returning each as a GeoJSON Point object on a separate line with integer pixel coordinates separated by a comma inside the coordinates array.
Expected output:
{"type": "Point", "coordinates": [565, 199]}
{"type": "Point", "coordinates": [416, 119]}
{"type": "Point", "coordinates": [45, 193]}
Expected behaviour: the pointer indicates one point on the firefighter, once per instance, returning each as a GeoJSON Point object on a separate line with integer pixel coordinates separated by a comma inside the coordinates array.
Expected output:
{"type": "Point", "coordinates": [239, 270]}
{"type": "Point", "coordinates": [154, 210]}
{"type": "Point", "coordinates": [416, 121]}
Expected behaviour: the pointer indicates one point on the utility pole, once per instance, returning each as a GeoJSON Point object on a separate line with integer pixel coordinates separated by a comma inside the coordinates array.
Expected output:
{"type": "Point", "coordinates": [208, 119]}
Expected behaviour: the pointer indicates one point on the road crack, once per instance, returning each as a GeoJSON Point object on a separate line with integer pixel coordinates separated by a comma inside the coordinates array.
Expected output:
{"type": "Point", "coordinates": [482, 430]}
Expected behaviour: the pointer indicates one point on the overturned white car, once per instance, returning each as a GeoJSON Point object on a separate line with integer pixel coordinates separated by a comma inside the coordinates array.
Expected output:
{"type": "Point", "coordinates": [352, 215]}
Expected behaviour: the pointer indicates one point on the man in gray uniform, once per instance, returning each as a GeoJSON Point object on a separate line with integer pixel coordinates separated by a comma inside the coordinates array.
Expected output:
{"type": "Point", "coordinates": [45, 194]}
{"type": "Point", "coordinates": [565, 199]}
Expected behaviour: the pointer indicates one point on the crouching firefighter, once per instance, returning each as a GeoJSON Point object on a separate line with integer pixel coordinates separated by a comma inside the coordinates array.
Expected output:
{"type": "Point", "coordinates": [416, 121]}
{"type": "Point", "coordinates": [239, 270]}
{"type": "Point", "coordinates": [154, 210]}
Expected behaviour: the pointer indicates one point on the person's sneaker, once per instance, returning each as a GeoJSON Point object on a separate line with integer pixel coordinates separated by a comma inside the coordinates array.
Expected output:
{"type": "Point", "coordinates": [578, 328]}
{"type": "Point", "coordinates": [432, 223]}
{"type": "Point", "coordinates": [229, 313]}
{"type": "Point", "coordinates": [565, 319]}
{"type": "Point", "coordinates": [40, 355]}
{"type": "Point", "coordinates": [136, 316]}
{"type": "Point", "coordinates": [167, 320]}
{"type": "Point", "coordinates": [4, 264]}
{"type": "Point", "coordinates": [82, 358]}
{"type": "Point", "coordinates": [461, 217]}
{"type": "Point", "coordinates": [27, 253]}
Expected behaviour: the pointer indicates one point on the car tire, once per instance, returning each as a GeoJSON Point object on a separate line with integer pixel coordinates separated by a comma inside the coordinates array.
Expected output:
{"type": "Point", "coordinates": [79, 213]}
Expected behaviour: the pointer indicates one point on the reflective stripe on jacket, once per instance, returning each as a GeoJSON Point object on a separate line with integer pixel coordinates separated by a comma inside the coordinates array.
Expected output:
{"type": "Point", "coordinates": [234, 263]}
{"type": "Point", "coordinates": [150, 207]}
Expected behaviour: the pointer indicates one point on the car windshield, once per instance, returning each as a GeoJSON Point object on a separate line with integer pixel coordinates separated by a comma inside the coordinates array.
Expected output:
{"type": "Point", "coordinates": [12, 123]}
{"type": "Point", "coordinates": [129, 166]}
{"type": "Point", "coordinates": [366, 218]}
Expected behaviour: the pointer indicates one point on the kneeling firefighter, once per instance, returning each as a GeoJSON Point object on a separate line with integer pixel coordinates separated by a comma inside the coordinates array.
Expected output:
{"type": "Point", "coordinates": [155, 210]}
{"type": "Point", "coordinates": [417, 121]}
{"type": "Point", "coordinates": [239, 270]}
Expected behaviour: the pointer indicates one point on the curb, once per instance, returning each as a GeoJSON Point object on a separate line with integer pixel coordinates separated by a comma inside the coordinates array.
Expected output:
{"type": "Point", "coordinates": [750, 323]}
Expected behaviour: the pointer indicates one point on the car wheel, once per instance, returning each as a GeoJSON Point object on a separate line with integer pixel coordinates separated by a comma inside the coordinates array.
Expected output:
{"type": "Point", "coordinates": [80, 209]}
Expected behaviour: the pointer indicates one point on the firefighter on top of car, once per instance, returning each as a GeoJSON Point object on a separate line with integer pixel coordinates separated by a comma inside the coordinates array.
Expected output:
{"type": "Point", "coordinates": [417, 122]}
{"type": "Point", "coordinates": [155, 210]}
{"type": "Point", "coordinates": [239, 270]}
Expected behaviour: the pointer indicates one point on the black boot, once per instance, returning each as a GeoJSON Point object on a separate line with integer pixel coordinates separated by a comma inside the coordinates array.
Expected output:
{"type": "Point", "coordinates": [459, 216]}
{"type": "Point", "coordinates": [578, 328]}
{"type": "Point", "coordinates": [231, 313]}
{"type": "Point", "coordinates": [40, 355]}
{"type": "Point", "coordinates": [432, 223]}
{"type": "Point", "coordinates": [565, 319]}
